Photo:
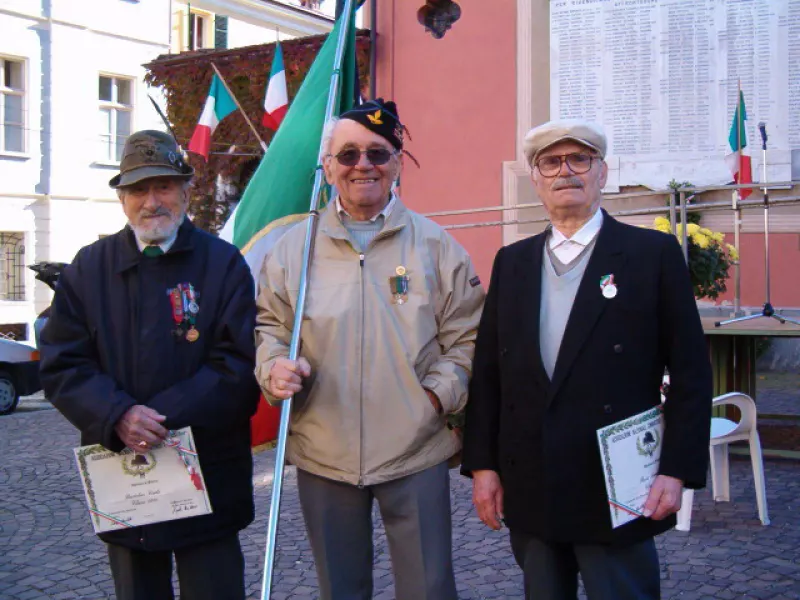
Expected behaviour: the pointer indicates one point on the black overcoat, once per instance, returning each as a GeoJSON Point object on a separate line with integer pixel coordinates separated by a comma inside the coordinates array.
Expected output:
{"type": "Point", "coordinates": [540, 435]}
{"type": "Point", "coordinates": [109, 344]}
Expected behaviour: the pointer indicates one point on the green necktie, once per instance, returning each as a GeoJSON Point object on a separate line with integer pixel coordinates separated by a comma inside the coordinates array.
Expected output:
{"type": "Point", "coordinates": [152, 250]}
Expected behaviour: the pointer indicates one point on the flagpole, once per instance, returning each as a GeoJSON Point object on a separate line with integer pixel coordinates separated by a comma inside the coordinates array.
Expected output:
{"type": "Point", "coordinates": [737, 212]}
{"type": "Point", "coordinates": [294, 348]}
{"type": "Point", "coordinates": [239, 106]}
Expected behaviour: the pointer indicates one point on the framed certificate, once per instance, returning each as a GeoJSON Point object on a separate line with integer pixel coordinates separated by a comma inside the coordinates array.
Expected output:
{"type": "Point", "coordinates": [127, 489]}
{"type": "Point", "coordinates": [630, 450]}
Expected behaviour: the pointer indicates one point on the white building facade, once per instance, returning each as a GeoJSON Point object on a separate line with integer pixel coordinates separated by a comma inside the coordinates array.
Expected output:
{"type": "Point", "coordinates": [71, 91]}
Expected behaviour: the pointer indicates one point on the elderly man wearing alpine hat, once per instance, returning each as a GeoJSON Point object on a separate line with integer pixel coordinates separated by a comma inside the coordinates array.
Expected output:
{"type": "Point", "coordinates": [579, 325]}
{"type": "Point", "coordinates": [393, 307]}
{"type": "Point", "coordinates": [151, 330]}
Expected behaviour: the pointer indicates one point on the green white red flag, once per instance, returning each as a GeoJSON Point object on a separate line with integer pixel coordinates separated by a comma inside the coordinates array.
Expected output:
{"type": "Point", "coordinates": [219, 105]}
{"type": "Point", "coordinates": [738, 160]}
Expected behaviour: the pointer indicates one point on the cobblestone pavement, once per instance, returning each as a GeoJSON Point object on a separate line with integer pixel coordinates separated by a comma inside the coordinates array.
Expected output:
{"type": "Point", "coordinates": [778, 393]}
{"type": "Point", "coordinates": [48, 550]}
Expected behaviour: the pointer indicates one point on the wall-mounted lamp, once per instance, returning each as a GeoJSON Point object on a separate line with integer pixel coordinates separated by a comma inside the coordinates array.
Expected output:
{"type": "Point", "coordinates": [437, 16]}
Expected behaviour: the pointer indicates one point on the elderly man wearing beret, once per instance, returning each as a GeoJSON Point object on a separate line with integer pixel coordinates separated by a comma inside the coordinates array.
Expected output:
{"type": "Point", "coordinates": [387, 344]}
{"type": "Point", "coordinates": [151, 329]}
{"type": "Point", "coordinates": [579, 325]}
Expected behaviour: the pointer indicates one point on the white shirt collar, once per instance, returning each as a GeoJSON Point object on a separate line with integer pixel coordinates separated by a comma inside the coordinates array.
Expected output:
{"type": "Point", "coordinates": [583, 236]}
{"type": "Point", "coordinates": [387, 210]}
{"type": "Point", "coordinates": [165, 245]}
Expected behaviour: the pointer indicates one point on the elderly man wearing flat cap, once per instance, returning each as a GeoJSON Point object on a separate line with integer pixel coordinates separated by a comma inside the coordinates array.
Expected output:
{"type": "Point", "coordinates": [579, 325]}
{"type": "Point", "coordinates": [392, 313]}
{"type": "Point", "coordinates": [151, 330]}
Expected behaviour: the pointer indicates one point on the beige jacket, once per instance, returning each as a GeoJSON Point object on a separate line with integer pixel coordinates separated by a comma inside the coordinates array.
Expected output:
{"type": "Point", "coordinates": [364, 417]}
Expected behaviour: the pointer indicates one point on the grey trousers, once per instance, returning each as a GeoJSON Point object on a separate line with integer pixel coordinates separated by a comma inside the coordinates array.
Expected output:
{"type": "Point", "coordinates": [608, 572]}
{"type": "Point", "coordinates": [210, 571]}
{"type": "Point", "coordinates": [416, 514]}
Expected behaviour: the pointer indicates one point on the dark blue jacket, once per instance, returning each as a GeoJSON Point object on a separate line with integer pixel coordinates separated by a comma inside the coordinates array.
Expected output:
{"type": "Point", "coordinates": [109, 345]}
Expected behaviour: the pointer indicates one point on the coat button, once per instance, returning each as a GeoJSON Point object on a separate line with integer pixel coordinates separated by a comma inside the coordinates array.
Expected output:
{"type": "Point", "coordinates": [510, 462]}
{"type": "Point", "coordinates": [503, 351]}
{"type": "Point", "coordinates": [618, 348]}
{"type": "Point", "coordinates": [607, 409]}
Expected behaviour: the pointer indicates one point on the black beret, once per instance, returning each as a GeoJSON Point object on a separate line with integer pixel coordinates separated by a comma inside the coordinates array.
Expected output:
{"type": "Point", "coordinates": [379, 117]}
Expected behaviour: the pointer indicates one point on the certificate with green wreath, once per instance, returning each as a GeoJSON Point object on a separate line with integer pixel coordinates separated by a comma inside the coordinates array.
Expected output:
{"type": "Point", "coordinates": [127, 489]}
{"type": "Point", "coordinates": [630, 450]}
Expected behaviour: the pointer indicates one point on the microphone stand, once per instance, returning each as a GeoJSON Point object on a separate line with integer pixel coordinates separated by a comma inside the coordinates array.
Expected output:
{"type": "Point", "coordinates": [767, 310]}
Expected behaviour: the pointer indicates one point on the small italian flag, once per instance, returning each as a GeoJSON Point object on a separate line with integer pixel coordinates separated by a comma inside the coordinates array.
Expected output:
{"type": "Point", "coordinates": [276, 100]}
{"type": "Point", "coordinates": [218, 106]}
{"type": "Point", "coordinates": [739, 160]}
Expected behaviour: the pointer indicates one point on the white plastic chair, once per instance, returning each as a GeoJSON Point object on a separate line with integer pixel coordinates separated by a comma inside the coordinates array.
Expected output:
{"type": "Point", "coordinates": [723, 432]}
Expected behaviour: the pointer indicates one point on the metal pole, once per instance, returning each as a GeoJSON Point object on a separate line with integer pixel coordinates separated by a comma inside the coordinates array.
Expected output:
{"type": "Point", "coordinates": [294, 348]}
{"type": "Point", "coordinates": [673, 220]}
{"type": "Point", "coordinates": [169, 24]}
{"type": "Point", "coordinates": [737, 226]}
{"type": "Point", "coordinates": [373, 39]}
{"type": "Point", "coordinates": [766, 217]}
{"type": "Point", "coordinates": [685, 228]}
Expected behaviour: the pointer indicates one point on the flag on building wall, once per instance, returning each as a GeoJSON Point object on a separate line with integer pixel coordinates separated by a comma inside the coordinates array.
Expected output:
{"type": "Point", "coordinates": [219, 105]}
{"type": "Point", "coordinates": [276, 99]}
{"type": "Point", "coordinates": [279, 193]}
{"type": "Point", "coordinates": [738, 160]}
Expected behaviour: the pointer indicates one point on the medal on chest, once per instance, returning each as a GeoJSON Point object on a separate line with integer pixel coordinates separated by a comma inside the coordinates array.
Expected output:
{"type": "Point", "coordinates": [399, 286]}
{"type": "Point", "coordinates": [607, 286]}
{"type": "Point", "coordinates": [184, 308]}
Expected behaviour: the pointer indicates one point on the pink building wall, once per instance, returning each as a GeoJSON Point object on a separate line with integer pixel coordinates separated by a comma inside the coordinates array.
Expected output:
{"type": "Point", "coordinates": [784, 252]}
{"type": "Point", "coordinates": [457, 96]}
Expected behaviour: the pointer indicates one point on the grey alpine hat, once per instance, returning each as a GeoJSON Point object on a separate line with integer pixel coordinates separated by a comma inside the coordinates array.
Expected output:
{"type": "Point", "coordinates": [149, 154]}
{"type": "Point", "coordinates": [542, 137]}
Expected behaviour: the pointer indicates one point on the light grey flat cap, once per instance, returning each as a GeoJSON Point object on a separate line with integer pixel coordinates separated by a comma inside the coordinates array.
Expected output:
{"type": "Point", "coordinates": [545, 135]}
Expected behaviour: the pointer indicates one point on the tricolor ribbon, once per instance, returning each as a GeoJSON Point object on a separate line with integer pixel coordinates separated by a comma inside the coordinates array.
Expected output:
{"type": "Point", "coordinates": [626, 509]}
{"type": "Point", "coordinates": [184, 453]}
{"type": "Point", "coordinates": [110, 518]}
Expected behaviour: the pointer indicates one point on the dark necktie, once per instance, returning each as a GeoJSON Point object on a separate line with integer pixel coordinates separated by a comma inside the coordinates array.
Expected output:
{"type": "Point", "coordinates": [152, 250]}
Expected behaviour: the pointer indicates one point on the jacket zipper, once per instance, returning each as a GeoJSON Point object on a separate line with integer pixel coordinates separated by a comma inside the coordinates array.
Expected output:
{"type": "Point", "coordinates": [361, 380]}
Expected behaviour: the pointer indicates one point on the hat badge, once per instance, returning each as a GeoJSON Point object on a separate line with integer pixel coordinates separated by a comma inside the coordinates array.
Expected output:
{"type": "Point", "coordinates": [375, 118]}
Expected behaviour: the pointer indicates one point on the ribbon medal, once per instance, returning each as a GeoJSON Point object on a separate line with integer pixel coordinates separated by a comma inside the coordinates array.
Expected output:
{"type": "Point", "coordinates": [176, 301]}
{"type": "Point", "coordinates": [399, 286]}
{"type": "Point", "coordinates": [607, 286]}
{"type": "Point", "coordinates": [183, 300]}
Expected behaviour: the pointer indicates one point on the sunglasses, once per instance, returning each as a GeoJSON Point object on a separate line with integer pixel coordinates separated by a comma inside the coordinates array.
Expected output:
{"type": "Point", "coordinates": [375, 156]}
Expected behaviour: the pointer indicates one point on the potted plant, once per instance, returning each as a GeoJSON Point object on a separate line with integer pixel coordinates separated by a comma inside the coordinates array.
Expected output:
{"type": "Point", "coordinates": [710, 258]}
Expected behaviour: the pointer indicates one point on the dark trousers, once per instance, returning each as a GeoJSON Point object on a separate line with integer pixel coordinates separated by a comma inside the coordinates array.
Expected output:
{"type": "Point", "coordinates": [416, 515]}
{"type": "Point", "coordinates": [608, 572]}
{"type": "Point", "coordinates": [210, 571]}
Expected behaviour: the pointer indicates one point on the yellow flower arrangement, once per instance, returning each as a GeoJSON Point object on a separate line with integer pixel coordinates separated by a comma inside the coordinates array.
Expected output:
{"type": "Point", "coordinates": [710, 257]}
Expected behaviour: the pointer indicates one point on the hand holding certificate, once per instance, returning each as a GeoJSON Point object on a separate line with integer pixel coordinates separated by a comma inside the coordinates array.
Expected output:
{"type": "Point", "coordinates": [128, 489]}
{"type": "Point", "coordinates": [630, 450]}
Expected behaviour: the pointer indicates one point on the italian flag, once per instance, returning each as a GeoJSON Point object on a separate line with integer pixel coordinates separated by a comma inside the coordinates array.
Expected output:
{"type": "Point", "coordinates": [276, 100]}
{"type": "Point", "coordinates": [219, 105]}
{"type": "Point", "coordinates": [279, 193]}
{"type": "Point", "coordinates": [738, 160]}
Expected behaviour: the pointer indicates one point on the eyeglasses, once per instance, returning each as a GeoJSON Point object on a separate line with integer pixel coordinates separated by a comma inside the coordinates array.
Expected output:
{"type": "Point", "coordinates": [578, 163]}
{"type": "Point", "coordinates": [352, 156]}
